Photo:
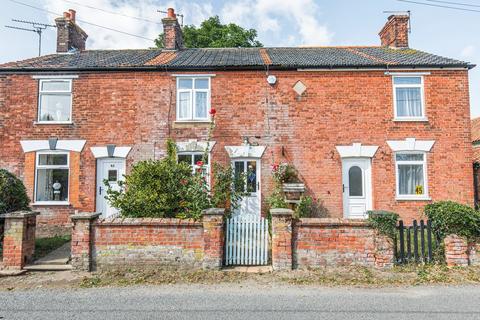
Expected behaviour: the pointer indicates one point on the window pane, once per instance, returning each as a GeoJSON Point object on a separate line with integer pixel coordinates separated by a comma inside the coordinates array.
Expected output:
{"type": "Point", "coordinates": [55, 107]}
{"type": "Point", "coordinates": [187, 158]}
{"type": "Point", "coordinates": [52, 159]}
{"type": "Point", "coordinates": [199, 157]}
{"type": "Point", "coordinates": [185, 84]}
{"type": "Point", "coordinates": [355, 181]}
{"type": "Point", "coordinates": [239, 168]}
{"type": "Point", "coordinates": [184, 105]}
{"type": "Point", "coordinates": [409, 157]}
{"type": "Point", "coordinates": [251, 176]}
{"type": "Point", "coordinates": [52, 185]}
{"type": "Point", "coordinates": [201, 83]}
{"type": "Point", "coordinates": [201, 105]}
{"type": "Point", "coordinates": [407, 80]}
{"type": "Point", "coordinates": [112, 175]}
{"type": "Point", "coordinates": [55, 85]}
{"type": "Point", "coordinates": [410, 179]}
{"type": "Point", "coordinates": [409, 102]}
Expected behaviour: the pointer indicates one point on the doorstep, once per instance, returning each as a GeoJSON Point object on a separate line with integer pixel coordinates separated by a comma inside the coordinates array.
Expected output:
{"type": "Point", "coordinates": [248, 269]}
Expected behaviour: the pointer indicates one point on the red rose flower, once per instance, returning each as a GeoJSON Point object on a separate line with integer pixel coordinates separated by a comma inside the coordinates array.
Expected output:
{"type": "Point", "coordinates": [200, 163]}
{"type": "Point", "coordinates": [213, 111]}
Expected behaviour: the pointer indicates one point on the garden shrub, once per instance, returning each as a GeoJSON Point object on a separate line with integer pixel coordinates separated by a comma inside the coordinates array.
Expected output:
{"type": "Point", "coordinates": [384, 221]}
{"type": "Point", "coordinates": [449, 217]}
{"type": "Point", "coordinates": [13, 195]}
{"type": "Point", "coordinates": [309, 207]}
{"type": "Point", "coordinates": [227, 188]}
{"type": "Point", "coordinates": [161, 188]}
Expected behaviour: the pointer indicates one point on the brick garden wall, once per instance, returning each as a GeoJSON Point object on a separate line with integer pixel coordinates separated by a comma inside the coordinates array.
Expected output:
{"type": "Point", "coordinates": [138, 109]}
{"type": "Point", "coordinates": [339, 242]}
{"type": "Point", "coordinates": [143, 242]}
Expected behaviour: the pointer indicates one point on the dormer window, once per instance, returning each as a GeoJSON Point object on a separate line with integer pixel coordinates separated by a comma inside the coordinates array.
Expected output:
{"type": "Point", "coordinates": [409, 98]}
{"type": "Point", "coordinates": [55, 101]}
{"type": "Point", "coordinates": [193, 98]}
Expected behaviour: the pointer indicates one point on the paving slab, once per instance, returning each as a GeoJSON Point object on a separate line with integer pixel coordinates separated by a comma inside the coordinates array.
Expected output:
{"type": "Point", "coordinates": [60, 256]}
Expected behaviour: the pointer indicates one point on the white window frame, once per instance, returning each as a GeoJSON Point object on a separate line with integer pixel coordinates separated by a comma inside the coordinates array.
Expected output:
{"type": "Point", "coordinates": [423, 162]}
{"type": "Point", "coordinates": [38, 166]}
{"type": "Point", "coordinates": [191, 117]}
{"type": "Point", "coordinates": [194, 165]}
{"type": "Point", "coordinates": [59, 92]}
{"type": "Point", "coordinates": [423, 117]}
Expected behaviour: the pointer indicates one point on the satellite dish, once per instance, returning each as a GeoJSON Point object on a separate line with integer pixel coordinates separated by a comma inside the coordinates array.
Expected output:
{"type": "Point", "coordinates": [271, 79]}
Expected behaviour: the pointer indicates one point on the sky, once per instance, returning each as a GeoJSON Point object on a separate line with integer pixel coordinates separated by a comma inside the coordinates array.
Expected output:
{"type": "Point", "coordinates": [442, 31]}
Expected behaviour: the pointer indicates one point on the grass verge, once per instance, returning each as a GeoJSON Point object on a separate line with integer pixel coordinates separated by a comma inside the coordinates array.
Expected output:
{"type": "Point", "coordinates": [348, 276]}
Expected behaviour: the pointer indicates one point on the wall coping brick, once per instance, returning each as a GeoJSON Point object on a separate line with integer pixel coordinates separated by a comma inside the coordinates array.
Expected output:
{"type": "Point", "coordinates": [19, 214]}
{"type": "Point", "coordinates": [332, 222]}
{"type": "Point", "coordinates": [161, 222]}
{"type": "Point", "coordinates": [85, 216]}
{"type": "Point", "coordinates": [213, 212]}
{"type": "Point", "coordinates": [281, 212]}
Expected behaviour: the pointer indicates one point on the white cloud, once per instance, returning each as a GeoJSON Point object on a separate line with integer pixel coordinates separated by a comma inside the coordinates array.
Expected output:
{"type": "Point", "coordinates": [278, 22]}
{"type": "Point", "coordinates": [100, 38]}
{"type": "Point", "coordinates": [468, 51]}
{"type": "Point", "coordinates": [282, 18]}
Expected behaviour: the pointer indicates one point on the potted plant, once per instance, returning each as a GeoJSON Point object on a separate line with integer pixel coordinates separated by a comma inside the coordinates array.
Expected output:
{"type": "Point", "coordinates": [292, 186]}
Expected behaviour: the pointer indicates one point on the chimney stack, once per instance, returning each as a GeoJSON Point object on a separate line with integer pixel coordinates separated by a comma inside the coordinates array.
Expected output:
{"type": "Point", "coordinates": [172, 32]}
{"type": "Point", "coordinates": [70, 36]}
{"type": "Point", "coordinates": [395, 32]}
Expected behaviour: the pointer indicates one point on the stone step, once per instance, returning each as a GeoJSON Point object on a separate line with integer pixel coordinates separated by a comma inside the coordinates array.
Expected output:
{"type": "Point", "coordinates": [249, 269]}
{"type": "Point", "coordinates": [48, 267]}
{"type": "Point", "coordinates": [59, 261]}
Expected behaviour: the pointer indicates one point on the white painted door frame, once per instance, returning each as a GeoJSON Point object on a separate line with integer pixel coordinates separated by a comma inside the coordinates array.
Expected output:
{"type": "Point", "coordinates": [257, 195]}
{"type": "Point", "coordinates": [112, 169]}
{"type": "Point", "coordinates": [357, 199]}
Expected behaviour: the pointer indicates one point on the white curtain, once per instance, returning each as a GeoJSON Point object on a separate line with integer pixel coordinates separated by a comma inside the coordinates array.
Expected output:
{"type": "Point", "coordinates": [409, 103]}
{"type": "Point", "coordinates": [201, 105]}
{"type": "Point", "coordinates": [410, 176]}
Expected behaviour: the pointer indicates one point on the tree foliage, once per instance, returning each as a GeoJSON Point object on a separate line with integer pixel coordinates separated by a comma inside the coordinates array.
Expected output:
{"type": "Point", "coordinates": [213, 34]}
{"type": "Point", "coordinates": [13, 195]}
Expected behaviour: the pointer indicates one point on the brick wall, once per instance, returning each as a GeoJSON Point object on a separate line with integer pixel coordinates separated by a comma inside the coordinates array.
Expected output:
{"type": "Point", "coordinates": [138, 109]}
{"type": "Point", "coordinates": [339, 242]}
{"type": "Point", "coordinates": [101, 244]}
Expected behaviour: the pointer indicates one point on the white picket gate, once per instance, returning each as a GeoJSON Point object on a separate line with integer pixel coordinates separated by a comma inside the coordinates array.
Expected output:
{"type": "Point", "coordinates": [246, 241]}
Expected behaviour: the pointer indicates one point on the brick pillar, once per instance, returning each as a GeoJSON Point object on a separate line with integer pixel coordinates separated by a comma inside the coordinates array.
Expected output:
{"type": "Point", "coordinates": [213, 238]}
{"type": "Point", "coordinates": [383, 252]}
{"type": "Point", "coordinates": [19, 238]}
{"type": "Point", "coordinates": [81, 251]}
{"type": "Point", "coordinates": [281, 239]}
{"type": "Point", "coordinates": [456, 251]}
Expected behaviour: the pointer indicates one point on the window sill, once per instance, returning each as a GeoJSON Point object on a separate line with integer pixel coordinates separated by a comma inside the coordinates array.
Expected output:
{"type": "Point", "coordinates": [191, 124]}
{"type": "Point", "coordinates": [423, 198]}
{"type": "Point", "coordinates": [53, 122]}
{"type": "Point", "coordinates": [51, 203]}
{"type": "Point", "coordinates": [424, 119]}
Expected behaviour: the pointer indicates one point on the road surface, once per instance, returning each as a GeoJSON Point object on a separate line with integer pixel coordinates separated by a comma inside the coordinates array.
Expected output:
{"type": "Point", "coordinates": [243, 302]}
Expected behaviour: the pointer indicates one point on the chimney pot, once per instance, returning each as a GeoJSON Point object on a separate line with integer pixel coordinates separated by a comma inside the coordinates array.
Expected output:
{"type": "Point", "coordinates": [66, 15]}
{"type": "Point", "coordinates": [171, 13]}
{"type": "Point", "coordinates": [73, 13]}
{"type": "Point", "coordinates": [395, 32]}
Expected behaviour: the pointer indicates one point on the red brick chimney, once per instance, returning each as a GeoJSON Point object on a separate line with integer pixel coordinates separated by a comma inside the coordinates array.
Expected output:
{"type": "Point", "coordinates": [395, 32]}
{"type": "Point", "coordinates": [69, 35]}
{"type": "Point", "coordinates": [172, 32]}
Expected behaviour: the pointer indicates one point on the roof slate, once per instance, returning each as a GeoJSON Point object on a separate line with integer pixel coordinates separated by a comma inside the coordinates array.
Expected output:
{"type": "Point", "coordinates": [236, 58]}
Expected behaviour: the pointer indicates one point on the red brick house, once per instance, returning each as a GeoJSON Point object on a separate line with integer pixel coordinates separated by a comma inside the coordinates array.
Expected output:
{"type": "Point", "coordinates": [367, 127]}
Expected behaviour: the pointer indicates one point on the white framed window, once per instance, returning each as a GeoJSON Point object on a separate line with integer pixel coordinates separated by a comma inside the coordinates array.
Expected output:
{"type": "Point", "coordinates": [55, 101]}
{"type": "Point", "coordinates": [193, 159]}
{"type": "Point", "coordinates": [193, 98]}
{"type": "Point", "coordinates": [409, 98]}
{"type": "Point", "coordinates": [52, 177]}
{"type": "Point", "coordinates": [411, 175]}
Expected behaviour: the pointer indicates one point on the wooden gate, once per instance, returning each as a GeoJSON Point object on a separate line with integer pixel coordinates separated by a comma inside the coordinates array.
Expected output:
{"type": "Point", "coordinates": [246, 241]}
{"type": "Point", "coordinates": [416, 243]}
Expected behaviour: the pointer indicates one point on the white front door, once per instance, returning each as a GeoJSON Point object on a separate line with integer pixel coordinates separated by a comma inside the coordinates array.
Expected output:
{"type": "Point", "coordinates": [250, 203]}
{"type": "Point", "coordinates": [111, 170]}
{"type": "Point", "coordinates": [357, 187]}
